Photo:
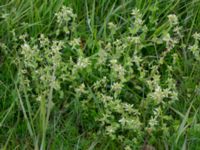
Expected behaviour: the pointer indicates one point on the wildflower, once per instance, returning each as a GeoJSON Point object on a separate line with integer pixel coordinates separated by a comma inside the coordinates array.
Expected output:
{"type": "Point", "coordinates": [25, 47]}
{"type": "Point", "coordinates": [82, 63]}
{"type": "Point", "coordinates": [120, 70]}
{"type": "Point", "coordinates": [80, 89]}
{"type": "Point", "coordinates": [113, 61]}
{"type": "Point", "coordinates": [138, 21]}
{"type": "Point", "coordinates": [196, 36]}
{"type": "Point", "coordinates": [105, 99]}
{"type": "Point", "coordinates": [136, 13]}
{"type": "Point", "coordinates": [157, 111]}
{"type": "Point", "coordinates": [116, 87]}
{"type": "Point", "coordinates": [64, 17]}
{"type": "Point", "coordinates": [159, 94]}
{"type": "Point", "coordinates": [195, 50]}
{"type": "Point", "coordinates": [137, 60]}
{"type": "Point", "coordinates": [153, 122]}
{"type": "Point", "coordinates": [112, 27]}
{"type": "Point", "coordinates": [108, 47]}
{"type": "Point", "coordinates": [110, 130]}
{"type": "Point", "coordinates": [102, 57]}
{"type": "Point", "coordinates": [174, 95]}
{"type": "Point", "coordinates": [133, 123]}
{"type": "Point", "coordinates": [66, 14]}
{"type": "Point", "coordinates": [128, 107]}
{"type": "Point", "coordinates": [117, 42]}
{"type": "Point", "coordinates": [170, 43]}
{"type": "Point", "coordinates": [136, 40]}
{"type": "Point", "coordinates": [29, 54]}
{"type": "Point", "coordinates": [43, 41]}
{"type": "Point", "coordinates": [100, 83]}
{"type": "Point", "coordinates": [167, 37]}
{"type": "Point", "coordinates": [177, 30]}
{"type": "Point", "coordinates": [55, 84]}
{"type": "Point", "coordinates": [104, 119]}
{"type": "Point", "coordinates": [56, 47]}
{"type": "Point", "coordinates": [115, 105]}
{"type": "Point", "coordinates": [173, 19]}
{"type": "Point", "coordinates": [122, 121]}
{"type": "Point", "coordinates": [39, 98]}
{"type": "Point", "coordinates": [175, 58]}
{"type": "Point", "coordinates": [23, 37]}
{"type": "Point", "coordinates": [75, 42]}
{"type": "Point", "coordinates": [128, 148]}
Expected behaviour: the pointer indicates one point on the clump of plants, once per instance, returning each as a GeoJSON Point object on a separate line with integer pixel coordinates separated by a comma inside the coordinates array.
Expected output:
{"type": "Point", "coordinates": [122, 92]}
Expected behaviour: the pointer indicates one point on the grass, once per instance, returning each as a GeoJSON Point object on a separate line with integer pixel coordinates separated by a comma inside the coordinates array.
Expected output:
{"type": "Point", "coordinates": [66, 124]}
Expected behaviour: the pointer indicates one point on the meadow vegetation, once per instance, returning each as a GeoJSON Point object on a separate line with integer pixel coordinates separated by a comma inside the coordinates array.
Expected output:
{"type": "Point", "coordinates": [99, 74]}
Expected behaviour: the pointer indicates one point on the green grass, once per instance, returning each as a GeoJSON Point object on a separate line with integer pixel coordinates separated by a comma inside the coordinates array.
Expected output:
{"type": "Point", "coordinates": [27, 124]}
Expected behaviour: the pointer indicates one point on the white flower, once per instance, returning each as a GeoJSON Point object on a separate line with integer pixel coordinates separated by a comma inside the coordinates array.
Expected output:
{"type": "Point", "coordinates": [159, 94]}
{"type": "Point", "coordinates": [138, 21]}
{"type": "Point", "coordinates": [121, 71]}
{"type": "Point", "coordinates": [102, 56]}
{"type": "Point", "coordinates": [136, 40]}
{"type": "Point", "coordinates": [104, 119]}
{"type": "Point", "coordinates": [116, 87]}
{"type": "Point", "coordinates": [153, 122]}
{"type": "Point", "coordinates": [128, 108]}
{"type": "Point", "coordinates": [113, 61]}
{"type": "Point", "coordinates": [82, 63]}
{"type": "Point", "coordinates": [23, 37]}
{"type": "Point", "coordinates": [25, 46]}
{"type": "Point", "coordinates": [133, 123]}
{"type": "Point", "coordinates": [170, 42]}
{"type": "Point", "coordinates": [136, 13]}
{"type": "Point", "coordinates": [106, 99]}
{"type": "Point", "coordinates": [127, 147]}
{"type": "Point", "coordinates": [112, 128]}
{"type": "Point", "coordinates": [137, 60]}
{"type": "Point", "coordinates": [43, 41]}
{"type": "Point", "coordinates": [174, 95]}
{"type": "Point", "coordinates": [64, 17]}
{"type": "Point", "coordinates": [66, 14]}
{"type": "Point", "coordinates": [196, 36]}
{"type": "Point", "coordinates": [112, 27]}
{"type": "Point", "coordinates": [75, 42]}
{"type": "Point", "coordinates": [39, 98]}
{"type": "Point", "coordinates": [173, 19]}
{"type": "Point", "coordinates": [122, 121]}
{"type": "Point", "coordinates": [193, 48]}
{"type": "Point", "coordinates": [80, 89]}
{"type": "Point", "coordinates": [167, 37]}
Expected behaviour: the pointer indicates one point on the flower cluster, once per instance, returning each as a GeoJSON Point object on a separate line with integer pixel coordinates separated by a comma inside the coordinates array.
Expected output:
{"type": "Point", "coordinates": [120, 90]}
{"type": "Point", "coordinates": [195, 47]}
{"type": "Point", "coordinates": [65, 20]}
{"type": "Point", "coordinates": [40, 64]}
